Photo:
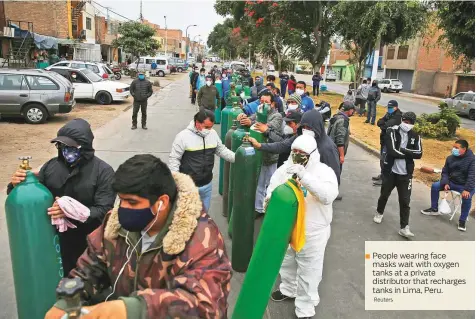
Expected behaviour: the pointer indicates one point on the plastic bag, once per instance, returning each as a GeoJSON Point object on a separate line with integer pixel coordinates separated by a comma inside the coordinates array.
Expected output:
{"type": "Point", "coordinates": [444, 207]}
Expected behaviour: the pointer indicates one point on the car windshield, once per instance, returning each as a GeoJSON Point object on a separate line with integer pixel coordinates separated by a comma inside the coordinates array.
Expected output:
{"type": "Point", "coordinates": [93, 77]}
{"type": "Point", "coordinates": [396, 82]}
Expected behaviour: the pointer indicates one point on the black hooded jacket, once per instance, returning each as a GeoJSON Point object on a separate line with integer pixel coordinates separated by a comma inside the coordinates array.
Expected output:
{"type": "Point", "coordinates": [327, 148]}
{"type": "Point", "coordinates": [89, 182]}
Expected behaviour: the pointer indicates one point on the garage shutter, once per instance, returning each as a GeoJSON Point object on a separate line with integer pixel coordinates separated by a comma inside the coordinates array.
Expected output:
{"type": "Point", "coordinates": [465, 83]}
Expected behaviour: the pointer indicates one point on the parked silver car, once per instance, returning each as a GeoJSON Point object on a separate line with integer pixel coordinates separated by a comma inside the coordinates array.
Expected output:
{"type": "Point", "coordinates": [462, 103]}
{"type": "Point", "coordinates": [34, 94]}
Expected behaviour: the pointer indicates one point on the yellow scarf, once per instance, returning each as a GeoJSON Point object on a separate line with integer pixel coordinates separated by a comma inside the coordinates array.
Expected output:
{"type": "Point", "coordinates": [298, 236]}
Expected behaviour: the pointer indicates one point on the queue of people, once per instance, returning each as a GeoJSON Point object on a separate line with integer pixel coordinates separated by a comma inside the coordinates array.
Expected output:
{"type": "Point", "coordinates": [161, 226]}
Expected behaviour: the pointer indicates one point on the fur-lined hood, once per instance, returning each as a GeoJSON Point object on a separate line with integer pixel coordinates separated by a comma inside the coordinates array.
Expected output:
{"type": "Point", "coordinates": [187, 211]}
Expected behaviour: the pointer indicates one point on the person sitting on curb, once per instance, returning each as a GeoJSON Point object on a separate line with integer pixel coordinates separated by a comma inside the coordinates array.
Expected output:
{"type": "Point", "coordinates": [457, 175]}
{"type": "Point", "coordinates": [157, 255]}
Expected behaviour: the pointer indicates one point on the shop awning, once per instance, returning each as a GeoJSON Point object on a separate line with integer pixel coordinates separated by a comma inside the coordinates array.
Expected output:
{"type": "Point", "coordinates": [45, 42]}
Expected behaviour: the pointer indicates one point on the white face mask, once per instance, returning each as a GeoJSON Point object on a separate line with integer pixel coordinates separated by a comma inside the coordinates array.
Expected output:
{"type": "Point", "coordinates": [209, 83]}
{"type": "Point", "coordinates": [288, 130]}
{"type": "Point", "coordinates": [308, 132]}
{"type": "Point", "coordinates": [299, 91]}
{"type": "Point", "coordinates": [292, 107]}
{"type": "Point", "coordinates": [406, 127]}
{"type": "Point", "coordinates": [205, 132]}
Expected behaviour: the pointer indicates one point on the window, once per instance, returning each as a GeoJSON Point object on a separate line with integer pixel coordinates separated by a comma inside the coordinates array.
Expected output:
{"type": "Point", "coordinates": [468, 97]}
{"type": "Point", "coordinates": [180, 45]}
{"type": "Point", "coordinates": [391, 53]}
{"type": "Point", "coordinates": [62, 64]}
{"type": "Point", "coordinates": [93, 68]}
{"type": "Point", "coordinates": [149, 61]}
{"type": "Point", "coordinates": [88, 23]}
{"type": "Point", "coordinates": [10, 82]}
{"type": "Point", "coordinates": [161, 62]}
{"type": "Point", "coordinates": [458, 97]}
{"type": "Point", "coordinates": [77, 77]}
{"type": "Point", "coordinates": [40, 83]}
{"type": "Point", "coordinates": [402, 52]}
{"type": "Point", "coordinates": [78, 65]}
{"type": "Point", "coordinates": [140, 61]}
{"type": "Point", "coordinates": [63, 73]}
{"type": "Point", "coordinates": [92, 76]}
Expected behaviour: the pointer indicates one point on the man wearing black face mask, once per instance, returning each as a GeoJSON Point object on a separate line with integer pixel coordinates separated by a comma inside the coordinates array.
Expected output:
{"type": "Point", "coordinates": [157, 255]}
{"type": "Point", "coordinates": [76, 173]}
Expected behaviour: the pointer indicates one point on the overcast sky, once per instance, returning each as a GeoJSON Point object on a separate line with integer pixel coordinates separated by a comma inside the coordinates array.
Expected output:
{"type": "Point", "coordinates": [180, 13]}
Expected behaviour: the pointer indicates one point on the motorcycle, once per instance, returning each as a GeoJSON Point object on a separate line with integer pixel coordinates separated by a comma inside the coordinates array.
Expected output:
{"type": "Point", "coordinates": [117, 72]}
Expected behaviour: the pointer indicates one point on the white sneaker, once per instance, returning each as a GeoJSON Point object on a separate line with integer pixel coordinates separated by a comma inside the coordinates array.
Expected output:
{"type": "Point", "coordinates": [378, 218]}
{"type": "Point", "coordinates": [405, 232]}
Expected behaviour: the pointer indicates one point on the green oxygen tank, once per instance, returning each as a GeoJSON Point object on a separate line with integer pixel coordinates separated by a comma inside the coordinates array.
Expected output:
{"type": "Point", "coordinates": [218, 85]}
{"type": "Point", "coordinates": [235, 111]}
{"type": "Point", "coordinates": [34, 246]}
{"type": "Point", "coordinates": [236, 140]}
{"type": "Point", "coordinates": [247, 91]}
{"type": "Point", "coordinates": [226, 170]}
{"type": "Point", "coordinates": [224, 127]}
{"type": "Point", "coordinates": [268, 254]}
{"type": "Point", "coordinates": [243, 206]}
{"type": "Point", "coordinates": [261, 117]}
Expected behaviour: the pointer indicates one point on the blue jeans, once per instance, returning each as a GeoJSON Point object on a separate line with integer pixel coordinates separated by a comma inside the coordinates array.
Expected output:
{"type": "Point", "coordinates": [263, 183]}
{"type": "Point", "coordinates": [466, 203]}
{"type": "Point", "coordinates": [371, 111]}
{"type": "Point", "coordinates": [206, 195]}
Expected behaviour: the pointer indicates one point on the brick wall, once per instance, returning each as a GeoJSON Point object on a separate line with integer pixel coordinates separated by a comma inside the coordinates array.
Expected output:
{"type": "Point", "coordinates": [432, 82]}
{"type": "Point", "coordinates": [433, 57]}
{"type": "Point", "coordinates": [442, 81]}
{"type": "Point", "coordinates": [48, 17]}
{"type": "Point", "coordinates": [101, 29]}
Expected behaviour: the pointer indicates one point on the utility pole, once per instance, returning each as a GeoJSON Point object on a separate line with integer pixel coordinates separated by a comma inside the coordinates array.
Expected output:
{"type": "Point", "coordinates": [187, 40]}
{"type": "Point", "coordinates": [166, 41]}
{"type": "Point", "coordinates": [376, 59]}
{"type": "Point", "coordinates": [141, 17]}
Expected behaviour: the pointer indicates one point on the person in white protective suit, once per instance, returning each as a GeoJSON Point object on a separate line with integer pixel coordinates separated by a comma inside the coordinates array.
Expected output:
{"type": "Point", "coordinates": [301, 272]}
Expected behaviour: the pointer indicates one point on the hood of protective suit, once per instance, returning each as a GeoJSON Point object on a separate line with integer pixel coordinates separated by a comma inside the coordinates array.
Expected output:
{"type": "Point", "coordinates": [80, 131]}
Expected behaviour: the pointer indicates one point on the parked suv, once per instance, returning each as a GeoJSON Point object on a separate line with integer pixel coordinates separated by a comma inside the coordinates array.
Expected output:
{"type": "Point", "coordinates": [462, 103]}
{"type": "Point", "coordinates": [34, 94]}
{"type": "Point", "coordinates": [390, 85]}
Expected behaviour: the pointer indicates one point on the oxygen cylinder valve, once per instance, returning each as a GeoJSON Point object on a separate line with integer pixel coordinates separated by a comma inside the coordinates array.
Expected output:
{"type": "Point", "coordinates": [246, 138]}
{"type": "Point", "coordinates": [70, 290]}
{"type": "Point", "coordinates": [25, 162]}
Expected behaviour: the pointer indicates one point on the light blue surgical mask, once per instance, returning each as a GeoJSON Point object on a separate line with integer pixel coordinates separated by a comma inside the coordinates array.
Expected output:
{"type": "Point", "coordinates": [141, 76]}
{"type": "Point", "coordinates": [455, 151]}
{"type": "Point", "coordinates": [390, 110]}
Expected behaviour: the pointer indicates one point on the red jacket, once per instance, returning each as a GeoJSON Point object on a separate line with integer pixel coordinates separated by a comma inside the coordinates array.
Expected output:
{"type": "Point", "coordinates": [291, 85]}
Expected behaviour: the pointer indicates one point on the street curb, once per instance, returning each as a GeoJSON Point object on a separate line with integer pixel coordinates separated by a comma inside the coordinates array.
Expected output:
{"type": "Point", "coordinates": [365, 146]}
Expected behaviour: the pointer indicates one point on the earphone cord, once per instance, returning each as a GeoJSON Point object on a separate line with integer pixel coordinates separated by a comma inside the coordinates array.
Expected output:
{"type": "Point", "coordinates": [133, 249]}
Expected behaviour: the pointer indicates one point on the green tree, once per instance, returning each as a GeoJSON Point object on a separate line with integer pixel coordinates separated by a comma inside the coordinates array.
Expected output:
{"type": "Point", "coordinates": [136, 38]}
{"type": "Point", "coordinates": [456, 19]}
{"type": "Point", "coordinates": [373, 23]}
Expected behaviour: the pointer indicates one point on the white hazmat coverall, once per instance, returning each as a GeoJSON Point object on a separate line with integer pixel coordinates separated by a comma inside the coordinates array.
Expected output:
{"type": "Point", "coordinates": [301, 272]}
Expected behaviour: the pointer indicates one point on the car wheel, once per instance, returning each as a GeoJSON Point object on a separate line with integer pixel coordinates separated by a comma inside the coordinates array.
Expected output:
{"type": "Point", "coordinates": [103, 98]}
{"type": "Point", "coordinates": [127, 72]}
{"type": "Point", "coordinates": [385, 90]}
{"type": "Point", "coordinates": [35, 114]}
{"type": "Point", "coordinates": [398, 91]}
{"type": "Point", "coordinates": [180, 70]}
{"type": "Point", "coordinates": [161, 73]}
{"type": "Point", "coordinates": [471, 115]}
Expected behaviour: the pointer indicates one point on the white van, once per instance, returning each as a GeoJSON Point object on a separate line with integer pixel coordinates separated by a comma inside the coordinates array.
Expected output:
{"type": "Point", "coordinates": [145, 64]}
{"type": "Point", "coordinates": [237, 65]}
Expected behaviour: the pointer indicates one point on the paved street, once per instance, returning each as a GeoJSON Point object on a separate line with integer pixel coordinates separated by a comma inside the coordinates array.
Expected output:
{"type": "Point", "coordinates": [342, 288]}
{"type": "Point", "coordinates": [406, 103]}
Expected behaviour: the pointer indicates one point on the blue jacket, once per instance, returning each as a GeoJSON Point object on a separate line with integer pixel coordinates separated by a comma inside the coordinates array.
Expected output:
{"type": "Point", "coordinates": [316, 79]}
{"type": "Point", "coordinates": [251, 108]}
{"type": "Point", "coordinates": [307, 103]}
{"type": "Point", "coordinates": [459, 170]}
{"type": "Point", "coordinates": [225, 83]}
{"type": "Point", "coordinates": [279, 103]}
{"type": "Point", "coordinates": [200, 82]}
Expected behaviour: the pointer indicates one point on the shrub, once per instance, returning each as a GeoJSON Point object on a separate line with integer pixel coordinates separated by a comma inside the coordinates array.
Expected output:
{"type": "Point", "coordinates": [440, 125]}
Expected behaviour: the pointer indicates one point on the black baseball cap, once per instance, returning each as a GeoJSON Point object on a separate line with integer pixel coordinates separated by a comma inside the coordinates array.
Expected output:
{"type": "Point", "coordinates": [392, 103]}
{"type": "Point", "coordinates": [409, 116]}
{"type": "Point", "coordinates": [68, 141]}
{"type": "Point", "coordinates": [293, 116]}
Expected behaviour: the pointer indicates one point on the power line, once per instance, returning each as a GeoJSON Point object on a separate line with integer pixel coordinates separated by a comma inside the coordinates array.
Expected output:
{"type": "Point", "coordinates": [113, 11]}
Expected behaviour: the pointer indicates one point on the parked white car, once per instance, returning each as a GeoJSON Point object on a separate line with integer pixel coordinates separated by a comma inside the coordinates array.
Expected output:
{"type": "Point", "coordinates": [390, 85]}
{"type": "Point", "coordinates": [462, 103]}
{"type": "Point", "coordinates": [89, 85]}
{"type": "Point", "coordinates": [99, 68]}
{"type": "Point", "coordinates": [331, 76]}
{"type": "Point", "coordinates": [145, 64]}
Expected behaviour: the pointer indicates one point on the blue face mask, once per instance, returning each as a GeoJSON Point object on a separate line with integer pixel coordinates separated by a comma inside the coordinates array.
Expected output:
{"type": "Point", "coordinates": [71, 154]}
{"type": "Point", "coordinates": [141, 76]}
{"type": "Point", "coordinates": [135, 220]}
{"type": "Point", "coordinates": [390, 110]}
{"type": "Point", "coordinates": [455, 151]}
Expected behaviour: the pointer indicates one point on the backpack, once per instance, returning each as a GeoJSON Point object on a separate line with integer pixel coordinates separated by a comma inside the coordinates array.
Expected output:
{"type": "Point", "coordinates": [372, 94]}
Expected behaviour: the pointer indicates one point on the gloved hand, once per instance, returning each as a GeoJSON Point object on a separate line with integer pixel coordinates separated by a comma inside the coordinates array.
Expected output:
{"type": "Point", "coordinates": [296, 169]}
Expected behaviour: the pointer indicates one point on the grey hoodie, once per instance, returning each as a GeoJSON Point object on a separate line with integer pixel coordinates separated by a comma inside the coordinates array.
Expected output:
{"type": "Point", "coordinates": [326, 147]}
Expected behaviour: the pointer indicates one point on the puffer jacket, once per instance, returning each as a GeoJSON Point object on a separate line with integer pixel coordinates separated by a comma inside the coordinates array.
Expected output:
{"type": "Point", "coordinates": [459, 170]}
{"type": "Point", "coordinates": [185, 273]}
{"type": "Point", "coordinates": [89, 182]}
{"type": "Point", "coordinates": [327, 148]}
{"type": "Point", "coordinates": [318, 179]}
{"type": "Point", "coordinates": [194, 154]}
{"type": "Point", "coordinates": [141, 90]}
{"type": "Point", "coordinates": [338, 130]}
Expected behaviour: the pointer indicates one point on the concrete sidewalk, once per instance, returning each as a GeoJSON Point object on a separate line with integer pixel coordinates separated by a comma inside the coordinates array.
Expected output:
{"type": "Point", "coordinates": [342, 288]}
